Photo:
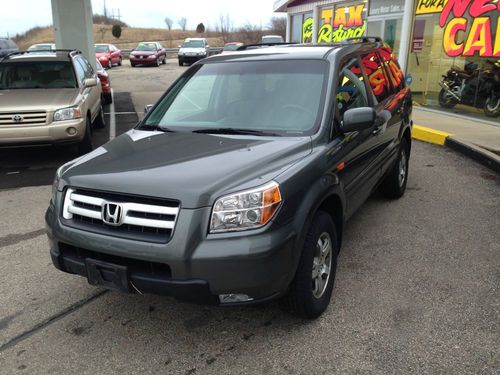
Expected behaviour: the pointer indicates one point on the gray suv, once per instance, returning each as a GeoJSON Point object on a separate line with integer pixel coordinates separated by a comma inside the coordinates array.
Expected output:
{"type": "Point", "coordinates": [236, 186]}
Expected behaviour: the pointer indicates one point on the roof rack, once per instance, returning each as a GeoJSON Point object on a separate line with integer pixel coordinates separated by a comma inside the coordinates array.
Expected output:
{"type": "Point", "coordinates": [362, 39]}
{"type": "Point", "coordinates": [71, 52]}
{"type": "Point", "coordinates": [258, 45]}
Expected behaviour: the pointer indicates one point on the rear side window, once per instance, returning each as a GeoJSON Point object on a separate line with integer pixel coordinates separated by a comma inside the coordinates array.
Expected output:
{"type": "Point", "coordinates": [393, 69]}
{"type": "Point", "coordinates": [377, 76]}
{"type": "Point", "coordinates": [351, 91]}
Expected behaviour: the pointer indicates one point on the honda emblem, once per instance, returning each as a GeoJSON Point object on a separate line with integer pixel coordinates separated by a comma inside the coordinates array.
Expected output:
{"type": "Point", "coordinates": [112, 213]}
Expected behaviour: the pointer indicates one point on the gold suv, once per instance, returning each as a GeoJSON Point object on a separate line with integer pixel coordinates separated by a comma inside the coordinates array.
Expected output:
{"type": "Point", "coordinates": [49, 98]}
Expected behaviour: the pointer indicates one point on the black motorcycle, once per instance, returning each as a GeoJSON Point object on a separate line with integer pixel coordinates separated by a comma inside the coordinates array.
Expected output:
{"type": "Point", "coordinates": [473, 87]}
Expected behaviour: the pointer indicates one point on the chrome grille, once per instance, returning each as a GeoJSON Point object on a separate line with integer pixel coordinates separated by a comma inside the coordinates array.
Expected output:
{"type": "Point", "coordinates": [144, 219]}
{"type": "Point", "coordinates": [23, 118]}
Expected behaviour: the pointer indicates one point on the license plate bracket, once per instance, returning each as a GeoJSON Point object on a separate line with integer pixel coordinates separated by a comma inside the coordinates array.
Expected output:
{"type": "Point", "coordinates": [108, 275]}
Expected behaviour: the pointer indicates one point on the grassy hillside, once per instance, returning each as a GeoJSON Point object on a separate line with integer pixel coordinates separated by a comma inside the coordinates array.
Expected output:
{"type": "Point", "coordinates": [129, 38]}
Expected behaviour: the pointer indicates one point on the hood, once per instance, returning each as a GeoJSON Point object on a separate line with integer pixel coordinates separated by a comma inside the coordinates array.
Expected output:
{"type": "Point", "coordinates": [36, 99]}
{"type": "Point", "coordinates": [143, 53]}
{"type": "Point", "coordinates": [101, 54]}
{"type": "Point", "coordinates": [194, 169]}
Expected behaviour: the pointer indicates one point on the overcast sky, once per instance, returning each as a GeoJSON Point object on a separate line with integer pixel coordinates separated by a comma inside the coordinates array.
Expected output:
{"type": "Point", "coordinates": [24, 14]}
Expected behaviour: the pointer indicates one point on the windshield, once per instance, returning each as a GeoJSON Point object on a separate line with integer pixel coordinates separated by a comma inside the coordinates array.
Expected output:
{"type": "Point", "coordinates": [280, 97]}
{"type": "Point", "coordinates": [36, 74]}
{"type": "Point", "coordinates": [146, 47]}
{"type": "Point", "coordinates": [230, 47]}
{"type": "Point", "coordinates": [101, 49]}
{"type": "Point", "coordinates": [193, 44]}
{"type": "Point", "coordinates": [272, 39]}
{"type": "Point", "coordinates": [41, 47]}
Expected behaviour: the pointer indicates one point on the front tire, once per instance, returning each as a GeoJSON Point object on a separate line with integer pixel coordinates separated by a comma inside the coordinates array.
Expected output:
{"type": "Point", "coordinates": [85, 145]}
{"type": "Point", "coordinates": [492, 107]}
{"type": "Point", "coordinates": [446, 100]}
{"type": "Point", "coordinates": [394, 184]}
{"type": "Point", "coordinates": [99, 121]}
{"type": "Point", "coordinates": [110, 64]}
{"type": "Point", "coordinates": [181, 62]}
{"type": "Point", "coordinates": [164, 62]}
{"type": "Point", "coordinates": [132, 65]}
{"type": "Point", "coordinates": [120, 62]}
{"type": "Point", "coordinates": [311, 289]}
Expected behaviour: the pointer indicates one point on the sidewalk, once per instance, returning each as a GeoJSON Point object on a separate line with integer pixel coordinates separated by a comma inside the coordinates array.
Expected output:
{"type": "Point", "coordinates": [478, 140]}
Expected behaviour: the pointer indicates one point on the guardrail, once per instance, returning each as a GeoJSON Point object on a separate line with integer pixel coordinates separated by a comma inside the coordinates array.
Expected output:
{"type": "Point", "coordinates": [211, 51]}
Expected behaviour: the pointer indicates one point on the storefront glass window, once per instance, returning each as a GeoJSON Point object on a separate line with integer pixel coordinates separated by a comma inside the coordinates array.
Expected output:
{"type": "Point", "coordinates": [296, 33]}
{"type": "Point", "coordinates": [455, 57]}
{"type": "Point", "coordinates": [345, 20]}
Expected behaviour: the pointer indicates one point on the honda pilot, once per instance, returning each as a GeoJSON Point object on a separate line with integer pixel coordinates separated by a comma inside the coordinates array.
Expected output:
{"type": "Point", "coordinates": [236, 186]}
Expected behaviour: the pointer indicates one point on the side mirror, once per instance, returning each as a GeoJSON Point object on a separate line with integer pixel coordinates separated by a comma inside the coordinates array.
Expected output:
{"type": "Point", "coordinates": [357, 119]}
{"type": "Point", "coordinates": [408, 79]}
{"type": "Point", "coordinates": [147, 108]}
{"type": "Point", "coordinates": [90, 82]}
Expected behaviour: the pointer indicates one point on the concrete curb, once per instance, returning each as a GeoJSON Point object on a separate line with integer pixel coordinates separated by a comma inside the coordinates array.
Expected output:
{"type": "Point", "coordinates": [479, 154]}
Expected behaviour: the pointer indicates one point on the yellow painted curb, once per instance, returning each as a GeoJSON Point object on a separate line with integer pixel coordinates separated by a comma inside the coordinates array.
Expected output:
{"type": "Point", "coordinates": [429, 135]}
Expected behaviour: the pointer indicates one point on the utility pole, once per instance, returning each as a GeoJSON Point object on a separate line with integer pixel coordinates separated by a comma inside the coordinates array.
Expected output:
{"type": "Point", "coordinates": [406, 32]}
{"type": "Point", "coordinates": [116, 15]}
{"type": "Point", "coordinates": [105, 11]}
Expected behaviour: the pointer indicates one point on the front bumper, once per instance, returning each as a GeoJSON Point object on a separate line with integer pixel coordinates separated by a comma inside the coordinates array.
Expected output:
{"type": "Point", "coordinates": [55, 132]}
{"type": "Point", "coordinates": [144, 60]}
{"type": "Point", "coordinates": [192, 266]}
{"type": "Point", "coordinates": [191, 58]}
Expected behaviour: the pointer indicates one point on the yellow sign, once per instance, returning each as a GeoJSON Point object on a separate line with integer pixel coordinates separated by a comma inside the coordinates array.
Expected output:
{"type": "Point", "coordinates": [430, 6]}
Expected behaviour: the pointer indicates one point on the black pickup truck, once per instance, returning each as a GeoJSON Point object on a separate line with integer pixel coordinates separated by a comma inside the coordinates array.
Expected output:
{"type": "Point", "coordinates": [235, 187]}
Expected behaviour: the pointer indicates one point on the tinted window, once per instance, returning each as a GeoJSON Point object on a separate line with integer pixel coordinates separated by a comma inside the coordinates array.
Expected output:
{"type": "Point", "coordinates": [11, 44]}
{"type": "Point", "coordinates": [392, 67]}
{"type": "Point", "coordinates": [351, 91]}
{"type": "Point", "coordinates": [36, 74]}
{"type": "Point", "coordinates": [282, 97]}
{"type": "Point", "coordinates": [377, 77]}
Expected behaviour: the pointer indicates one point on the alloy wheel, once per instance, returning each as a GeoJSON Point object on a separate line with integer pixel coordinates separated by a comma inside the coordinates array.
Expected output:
{"type": "Point", "coordinates": [402, 168]}
{"type": "Point", "coordinates": [322, 264]}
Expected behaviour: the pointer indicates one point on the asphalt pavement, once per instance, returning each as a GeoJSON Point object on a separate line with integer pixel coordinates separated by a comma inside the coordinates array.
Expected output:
{"type": "Point", "coordinates": [417, 291]}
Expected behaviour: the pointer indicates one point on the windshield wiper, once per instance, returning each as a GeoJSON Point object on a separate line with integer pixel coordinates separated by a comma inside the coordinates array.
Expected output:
{"type": "Point", "coordinates": [164, 129]}
{"type": "Point", "coordinates": [235, 131]}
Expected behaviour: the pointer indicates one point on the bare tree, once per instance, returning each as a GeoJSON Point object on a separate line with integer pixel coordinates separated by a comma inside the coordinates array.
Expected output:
{"type": "Point", "coordinates": [169, 22]}
{"type": "Point", "coordinates": [278, 26]}
{"type": "Point", "coordinates": [250, 34]}
{"type": "Point", "coordinates": [182, 23]}
{"type": "Point", "coordinates": [224, 27]}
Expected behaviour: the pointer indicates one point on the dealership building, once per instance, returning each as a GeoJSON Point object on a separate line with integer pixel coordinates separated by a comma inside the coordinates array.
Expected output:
{"type": "Point", "coordinates": [428, 36]}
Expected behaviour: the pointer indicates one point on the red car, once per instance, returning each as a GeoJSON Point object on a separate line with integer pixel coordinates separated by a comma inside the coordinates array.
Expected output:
{"type": "Point", "coordinates": [108, 55]}
{"type": "Point", "coordinates": [148, 53]}
{"type": "Point", "coordinates": [103, 75]}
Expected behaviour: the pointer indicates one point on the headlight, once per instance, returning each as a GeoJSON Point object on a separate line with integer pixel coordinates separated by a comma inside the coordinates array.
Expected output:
{"type": "Point", "coordinates": [153, 56]}
{"type": "Point", "coordinates": [202, 53]}
{"type": "Point", "coordinates": [67, 114]}
{"type": "Point", "coordinates": [245, 210]}
{"type": "Point", "coordinates": [102, 58]}
{"type": "Point", "coordinates": [55, 183]}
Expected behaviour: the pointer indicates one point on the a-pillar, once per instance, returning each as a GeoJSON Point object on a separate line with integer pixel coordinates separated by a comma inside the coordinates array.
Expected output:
{"type": "Point", "coordinates": [73, 26]}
